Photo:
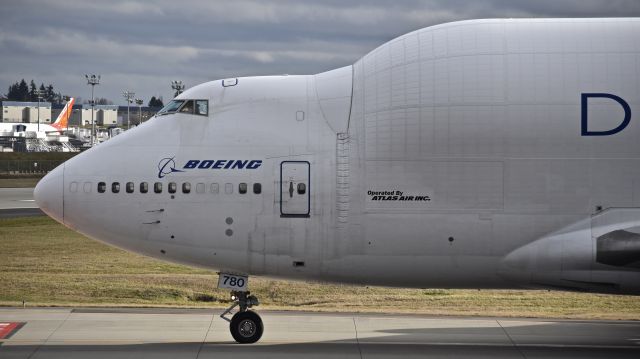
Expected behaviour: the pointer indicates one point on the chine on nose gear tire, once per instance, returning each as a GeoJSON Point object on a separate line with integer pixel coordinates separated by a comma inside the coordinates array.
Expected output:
{"type": "Point", "coordinates": [246, 327]}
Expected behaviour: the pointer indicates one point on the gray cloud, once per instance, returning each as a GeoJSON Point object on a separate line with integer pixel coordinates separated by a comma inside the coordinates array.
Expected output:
{"type": "Point", "coordinates": [143, 45]}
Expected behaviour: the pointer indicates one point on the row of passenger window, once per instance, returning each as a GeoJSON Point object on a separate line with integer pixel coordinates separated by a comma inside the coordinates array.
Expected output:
{"type": "Point", "coordinates": [172, 187]}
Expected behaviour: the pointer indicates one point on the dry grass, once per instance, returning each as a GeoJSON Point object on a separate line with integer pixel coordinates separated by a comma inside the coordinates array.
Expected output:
{"type": "Point", "coordinates": [45, 264]}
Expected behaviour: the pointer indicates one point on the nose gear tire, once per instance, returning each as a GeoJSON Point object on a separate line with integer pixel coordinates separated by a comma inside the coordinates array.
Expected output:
{"type": "Point", "coordinates": [246, 327]}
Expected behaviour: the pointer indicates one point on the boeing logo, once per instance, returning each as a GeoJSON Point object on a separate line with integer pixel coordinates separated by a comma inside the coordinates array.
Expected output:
{"type": "Point", "coordinates": [223, 164]}
{"type": "Point", "coordinates": [167, 166]}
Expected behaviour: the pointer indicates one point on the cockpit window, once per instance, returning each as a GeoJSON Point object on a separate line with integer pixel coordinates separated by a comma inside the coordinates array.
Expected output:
{"type": "Point", "coordinates": [172, 106]}
{"type": "Point", "coordinates": [187, 107]}
{"type": "Point", "coordinates": [193, 107]}
{"type": "Point", "coordinates": [202, 107]}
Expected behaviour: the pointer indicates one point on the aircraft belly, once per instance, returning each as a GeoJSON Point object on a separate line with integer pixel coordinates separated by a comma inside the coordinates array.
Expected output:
{"type": "Point", "coordinates": [410, 234]}
{"type": "Point", "coordinates": [418, 249]}
{"type": "Point", "coordinates": [416, 271]}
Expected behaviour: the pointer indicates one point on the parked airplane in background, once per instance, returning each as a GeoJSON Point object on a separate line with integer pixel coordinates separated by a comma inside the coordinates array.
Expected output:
{"type": "Point", "coordinates": [57, 127]}
{"type": "Point", "coordinates": [474, 154]}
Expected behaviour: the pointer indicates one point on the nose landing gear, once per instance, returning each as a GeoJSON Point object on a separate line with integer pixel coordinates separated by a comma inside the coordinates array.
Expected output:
{"type": "Point", "coordinates": [246, 325]}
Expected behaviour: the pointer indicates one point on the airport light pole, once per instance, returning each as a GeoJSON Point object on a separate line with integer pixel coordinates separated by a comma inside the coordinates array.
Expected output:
{"type": "Point", "coordinates": [92, 80]}
{"type": "Point", "coordinates": [128, 95]}
{"type": "Point", "coordinates": [178, 86]}
{"type": "Point", "coordinates": [139, 102]}
{"type": "Point", "coordinates": [38, 94]}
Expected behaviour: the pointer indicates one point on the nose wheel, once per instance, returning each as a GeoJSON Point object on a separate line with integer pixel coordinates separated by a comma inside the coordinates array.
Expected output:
{"type": "Point", "coordinates": [246, 325]}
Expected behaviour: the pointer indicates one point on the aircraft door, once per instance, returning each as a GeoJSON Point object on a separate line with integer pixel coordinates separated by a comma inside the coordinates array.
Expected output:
{"type": "Point", "coordinates": [295, 195]}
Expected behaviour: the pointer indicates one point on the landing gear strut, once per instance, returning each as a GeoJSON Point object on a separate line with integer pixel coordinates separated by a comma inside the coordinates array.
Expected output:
{"type": "Point", "coordinates": [245, 326]}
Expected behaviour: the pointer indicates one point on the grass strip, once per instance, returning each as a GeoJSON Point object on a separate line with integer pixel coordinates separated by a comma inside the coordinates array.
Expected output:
{"type": "Point", "coordinates": [45, 264]}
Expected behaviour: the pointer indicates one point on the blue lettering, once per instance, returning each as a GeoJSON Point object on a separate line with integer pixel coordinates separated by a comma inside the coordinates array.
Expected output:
{"type": "Point", "coordinates": [205, 164]}
{"type": "Point", "coordinates": [191, 164]}
{"type": "Point", "coordinates": [239, 164]}
{"type": "Point", "coordinates": [223, 164]}
{"type": "Point", "coordinates": [254, 164]}
{"type": "Point", "coordinates": [585, 114]}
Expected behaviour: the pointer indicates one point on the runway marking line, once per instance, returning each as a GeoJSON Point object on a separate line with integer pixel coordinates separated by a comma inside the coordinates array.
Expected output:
{"type": "Point", "coordinates": [7, 329]}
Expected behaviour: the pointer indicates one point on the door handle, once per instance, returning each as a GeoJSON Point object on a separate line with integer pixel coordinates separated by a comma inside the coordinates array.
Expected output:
{"type": "Point", "coordinates": [291, 189]}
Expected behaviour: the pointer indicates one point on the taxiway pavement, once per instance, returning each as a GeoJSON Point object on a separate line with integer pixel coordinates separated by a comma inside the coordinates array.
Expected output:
{"type": "Point", "coordinates": [17, 198]}
{"type": "Point", "coordinates": [18, 202]}
{"type": "Point", "coordinates": [183, 333]}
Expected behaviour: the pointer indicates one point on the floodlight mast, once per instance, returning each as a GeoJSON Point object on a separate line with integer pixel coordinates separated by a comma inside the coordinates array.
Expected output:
{"type": "Point", "coordinates": [178, 86]}
{"type": "Point", "coordinates": [139, 102]}
{"type": "Point", "coordinates": [92, 80]}
{"type": "Point", "coordinates": [129, 96]}
{"type": "Point", "coordinates": [38, 93]}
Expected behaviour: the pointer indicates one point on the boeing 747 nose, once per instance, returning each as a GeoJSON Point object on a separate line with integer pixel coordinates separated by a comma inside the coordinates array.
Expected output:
{"type": "Point", "coordinates": [49, 194]}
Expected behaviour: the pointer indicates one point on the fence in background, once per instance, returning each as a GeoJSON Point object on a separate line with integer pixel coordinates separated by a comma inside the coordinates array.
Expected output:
{"type": "Point", "coordinates": [24, 167]}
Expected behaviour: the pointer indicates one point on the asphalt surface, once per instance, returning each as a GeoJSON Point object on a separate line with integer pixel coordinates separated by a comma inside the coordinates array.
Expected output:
{"type": "Point", "coordinates": [152, 333]}
{"type": "Point", "coordinates": [18, 202]}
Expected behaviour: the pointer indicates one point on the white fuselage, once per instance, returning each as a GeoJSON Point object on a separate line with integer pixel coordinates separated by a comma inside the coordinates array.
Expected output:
{"type": "Point", "coordinates": [10, 127]}
{"type": "Point", "coordinates": [450, 157]}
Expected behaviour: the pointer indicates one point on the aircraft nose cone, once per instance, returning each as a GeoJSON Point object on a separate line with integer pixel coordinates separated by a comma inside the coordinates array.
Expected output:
{"type": "Point", "coordinates": [49, 194]}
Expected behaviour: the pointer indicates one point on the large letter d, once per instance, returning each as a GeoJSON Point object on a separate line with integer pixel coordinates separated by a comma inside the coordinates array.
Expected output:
{"type": "Point", "coordinates": [585, 114]}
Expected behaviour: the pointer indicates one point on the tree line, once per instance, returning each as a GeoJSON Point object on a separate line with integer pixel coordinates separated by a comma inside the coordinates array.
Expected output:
{"type": "Point", "coordinates": [21, 91]}
{"type": "Point", "coordinates": [156, 102]}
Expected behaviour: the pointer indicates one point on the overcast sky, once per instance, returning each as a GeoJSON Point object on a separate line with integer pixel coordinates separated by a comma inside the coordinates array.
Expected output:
{"type": "Point", "coordinates": [143, 45]}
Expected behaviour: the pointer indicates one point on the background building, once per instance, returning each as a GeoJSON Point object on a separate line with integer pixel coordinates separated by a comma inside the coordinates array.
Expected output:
{"type": "Point", "coordinates": [105, 115]}
{"type": "Point", "coordinates": [136, 114]}
{"type": "Point", "coordinates": [13, 111]}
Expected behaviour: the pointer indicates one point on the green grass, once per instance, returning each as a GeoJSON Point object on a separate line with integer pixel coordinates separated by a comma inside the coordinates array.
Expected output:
{"type": "Point", "coordinates": [46, 264]}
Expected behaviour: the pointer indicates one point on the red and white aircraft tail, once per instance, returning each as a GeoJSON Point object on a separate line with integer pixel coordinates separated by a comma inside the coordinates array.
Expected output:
{"type": "Point", "coordinates": [63, 118]}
